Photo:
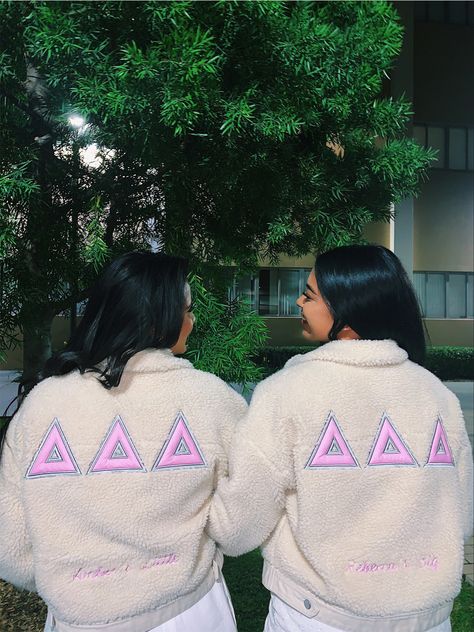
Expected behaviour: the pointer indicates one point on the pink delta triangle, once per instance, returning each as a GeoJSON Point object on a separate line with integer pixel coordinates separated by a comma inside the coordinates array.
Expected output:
{"type": "Point", "coordinates": [117, 452]}
{"type": "Point", "coordinates": [389, 448]}
{"type": "Point", "coordinates": [181, 448]}
{"type": "Point", "coordinates": [440, 452]}
{"type": "Point", "coordinates": [54, 456]}
{"type": "Point", "coordinates": [332, 449]}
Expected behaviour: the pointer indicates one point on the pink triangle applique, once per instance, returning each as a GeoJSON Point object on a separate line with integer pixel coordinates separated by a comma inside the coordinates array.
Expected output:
{"type": "Point", "coordinates": [332, 449]}
{"type": "Point", "coordinates": [440, 452]}
{"type": "Point", "coordinates": [181, 448]}
{"type": "Point", "coordinates": [389, 448]}
{"type": "Point", "coordinates": [54, 456]}
{"type": "Point", "coordinates": [117, 452]}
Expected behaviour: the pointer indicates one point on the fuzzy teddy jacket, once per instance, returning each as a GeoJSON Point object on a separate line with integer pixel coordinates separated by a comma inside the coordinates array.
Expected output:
{"type": "Point", "coordinates": [354, 466]}
{"type": "Point", "coordinates": [105, 494]}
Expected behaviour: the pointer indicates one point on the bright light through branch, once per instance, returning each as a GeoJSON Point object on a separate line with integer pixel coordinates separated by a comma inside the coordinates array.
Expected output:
{"type": "Point", "coordinates": [76, 121]}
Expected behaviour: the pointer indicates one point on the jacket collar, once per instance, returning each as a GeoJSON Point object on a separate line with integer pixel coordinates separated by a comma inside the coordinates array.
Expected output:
{"type": "Point", "coordinates": [155, 360]}
{"type": "Point", "coordinates": [355, 352]}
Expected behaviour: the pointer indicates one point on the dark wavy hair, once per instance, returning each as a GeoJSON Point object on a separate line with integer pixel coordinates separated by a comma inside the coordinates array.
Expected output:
{"type": "Point", "coordinates": [137, 303]}
{"type": "Point", "coordinates": [367, 288]}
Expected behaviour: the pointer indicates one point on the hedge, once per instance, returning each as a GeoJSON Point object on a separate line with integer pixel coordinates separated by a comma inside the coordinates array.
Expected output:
{"type": "Point", "coordinates": [448, 363]}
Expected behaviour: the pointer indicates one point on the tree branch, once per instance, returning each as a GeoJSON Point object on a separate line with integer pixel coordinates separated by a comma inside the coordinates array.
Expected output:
{"type": "Point", "coordinates": [18, 104]}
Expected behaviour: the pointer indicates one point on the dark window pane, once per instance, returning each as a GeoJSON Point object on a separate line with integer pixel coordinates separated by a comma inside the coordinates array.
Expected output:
{"type": "Point", "coordinates": [289, 292]}
{"type": "Point", "coordinates": [268, 292]}
{"type": "Point", "coordinates": [470, 148]}
{"type": "Point", "coordinates": [419, 283]}
{"type": "Point", "coordinates": [435, 295]}
{"type": "Point", "coordinates": [456, 295]}
{"type": "Point", "coordinates": [436, 11]}
{"type": "Point", "coordinates": [436, 141]}
{"type": "Point", "coordinates": [420, 11]}
{"type": "Point", "coordinates": [457, 12]}
{"type": "Point", "coordinates": [419, 134]}
{"type": "Point", "coordinates": [457, 148]}
{"type": "Point", "coordinates": [470, 295]}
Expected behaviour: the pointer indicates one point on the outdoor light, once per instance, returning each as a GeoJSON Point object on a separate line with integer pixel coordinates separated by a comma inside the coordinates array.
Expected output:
{"type": "Point", "coordinates": [76, 121]}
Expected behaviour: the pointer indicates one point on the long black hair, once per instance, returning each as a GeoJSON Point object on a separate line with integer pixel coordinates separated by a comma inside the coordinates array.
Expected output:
{"type": "Point", "coordinates": [367, 288]}
{"type": "Point", "coordinates": [138, 302]}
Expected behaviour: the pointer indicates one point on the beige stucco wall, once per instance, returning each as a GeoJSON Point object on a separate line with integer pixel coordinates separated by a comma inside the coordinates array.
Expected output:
{"type": "Point", "coordinates": [289, 262]}
{"type": "Point", "coordinates": [374, 233]}
{"type": "Point", "coordinates": [456, 332]}
{"type": "Point", "coordinates": [378, 233]}
{"type": "Point", "coordinates": [444, 223]}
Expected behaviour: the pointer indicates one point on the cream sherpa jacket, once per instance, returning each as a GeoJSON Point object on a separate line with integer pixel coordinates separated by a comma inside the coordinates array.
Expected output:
{"type": "Point", "coordinates": [354, 466]}
{"type": "Point", "coordinates": [105, 494]}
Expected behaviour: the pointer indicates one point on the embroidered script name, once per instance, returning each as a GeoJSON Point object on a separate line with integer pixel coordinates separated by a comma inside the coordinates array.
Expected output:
{"type": "Point", "coordinates": [429, 562]}
{"type": "Point", "coordinates": [95, 573]}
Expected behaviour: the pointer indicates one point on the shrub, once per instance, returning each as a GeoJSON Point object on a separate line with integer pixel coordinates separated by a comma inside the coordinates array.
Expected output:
{"type": "Point", "coordinates": [447, 363]}
{"type": "Point", "coordinates": [451, 363]}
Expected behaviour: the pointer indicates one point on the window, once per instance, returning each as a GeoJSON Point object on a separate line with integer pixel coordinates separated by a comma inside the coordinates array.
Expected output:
{"type": "Point", "coordinates": [445, 12]}
{"type": "Point", "coordinates": [455, 145]}
{"type": "Point", "coordinates": [268, 292]}
{"type": "Point", "coordinates": [445, 294]}
{"type": "Point", "coordinates": [273, 291]}
{"type": "Point", "coordinates": [457, 148]}
{"type": "Point", "coordinates": [436, 140]}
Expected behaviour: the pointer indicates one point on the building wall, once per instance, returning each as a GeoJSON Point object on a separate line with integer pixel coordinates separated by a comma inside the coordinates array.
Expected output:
{"type": "Point", "coordinates": [290, 262]}
{"type": "Point", "coordinates": [60, 335]}
{"type": "Point", "coordinates": [444, 211]}
{"type": "Point", "coordinates": [444, 223]}
{"type": "Point", "coordinates": [444, 84]}
{"type": "Point", "coordinates": [457, 333]}
{"type": "Point", "coordinates": [378, 233]}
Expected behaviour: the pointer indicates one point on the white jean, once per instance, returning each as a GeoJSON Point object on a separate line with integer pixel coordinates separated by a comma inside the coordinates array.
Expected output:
{"type": "Point", "coordinates": [212, 613]}
{"type": "Point", "coordinates": [283, 618]}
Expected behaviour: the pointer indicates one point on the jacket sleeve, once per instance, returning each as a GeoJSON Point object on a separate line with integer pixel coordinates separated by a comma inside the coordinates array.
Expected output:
{"type": "Point", "coordinates": [465, 474]}
{"type": "Point", "coordinates": [232, 408]}
{"type": "Point", "coordinates": [248, 503]}
{"type": "Point", "coordinates": [16, 556]}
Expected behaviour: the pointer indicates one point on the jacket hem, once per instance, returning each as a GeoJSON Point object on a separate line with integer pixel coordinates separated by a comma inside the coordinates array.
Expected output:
{"type": "Point", "coordinates": [148, 620]}
{"type": "Point", "coordinates": [312, 606]}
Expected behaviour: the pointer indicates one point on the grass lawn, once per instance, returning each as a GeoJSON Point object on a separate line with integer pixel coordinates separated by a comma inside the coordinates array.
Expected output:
{"type": "Point", "coordinates": [25, 612]}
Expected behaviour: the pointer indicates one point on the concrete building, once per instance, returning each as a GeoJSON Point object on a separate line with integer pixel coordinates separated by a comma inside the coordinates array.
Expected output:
{"type": "Point", "coordinates": [432, 234]}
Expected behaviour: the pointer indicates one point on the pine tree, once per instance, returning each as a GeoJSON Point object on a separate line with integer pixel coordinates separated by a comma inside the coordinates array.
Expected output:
{"type": "Point", "coordinates": [225, 131]}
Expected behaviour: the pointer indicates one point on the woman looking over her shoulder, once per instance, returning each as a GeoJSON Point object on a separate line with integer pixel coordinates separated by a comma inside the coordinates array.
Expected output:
{"type": "Point", "coordinates": [108, 468]}
{"type": "Point", "coordinates": [356, 463]}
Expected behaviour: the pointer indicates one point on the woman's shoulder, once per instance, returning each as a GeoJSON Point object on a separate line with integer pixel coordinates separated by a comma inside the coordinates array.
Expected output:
{"type": "Point", "coordinates": [212, 383]}
{"type": "Point", "coordinates": [423, 376]}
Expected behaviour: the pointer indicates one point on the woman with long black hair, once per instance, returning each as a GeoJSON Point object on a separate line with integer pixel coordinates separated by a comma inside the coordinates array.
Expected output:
{"type": "Point", "coordinates": [108, 468]}
{"type": "Point", "coordinates": [358, 463]}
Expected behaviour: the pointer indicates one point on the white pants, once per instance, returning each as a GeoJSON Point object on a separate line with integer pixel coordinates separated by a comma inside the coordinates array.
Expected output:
{"type": "Point", "coordinates": [283, 618]}
{"type": "Point", "coordinates": [212, 613]}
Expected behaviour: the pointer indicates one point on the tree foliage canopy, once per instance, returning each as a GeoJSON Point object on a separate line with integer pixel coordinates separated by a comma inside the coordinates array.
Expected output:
{"type": "Point", "coordinates": [225, 131]}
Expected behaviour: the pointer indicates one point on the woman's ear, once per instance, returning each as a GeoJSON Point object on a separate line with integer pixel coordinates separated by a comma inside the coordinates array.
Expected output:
{"type": "Point", "coordinates": [347, 333]}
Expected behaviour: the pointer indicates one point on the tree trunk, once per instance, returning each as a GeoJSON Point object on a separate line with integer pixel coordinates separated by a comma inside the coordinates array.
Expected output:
{"type": "Point", "coordinates": [36, 343]}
